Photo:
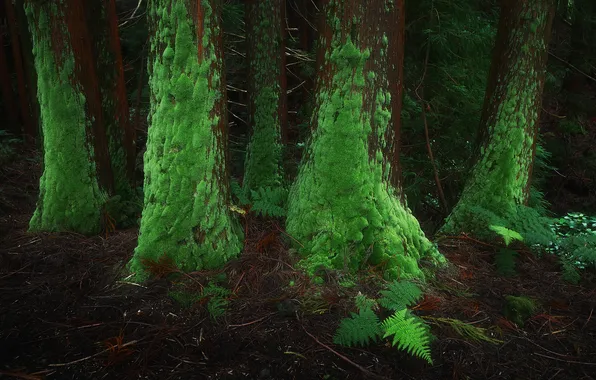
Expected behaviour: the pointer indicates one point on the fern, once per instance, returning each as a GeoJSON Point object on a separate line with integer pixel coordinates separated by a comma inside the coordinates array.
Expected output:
{"type": "Point", "coordinates": [363, 302]}
{"type": "Point", "coordinates": [359, 329]}
{"type": "Point", "coordinates": [400, 295]}
{"type": "Point", "coordinates": [468, 331]}
{"type": "Point", "coordinates": [507, 234]}
{"type": "Point", "coordinates": [239, 193]}
{"type": "Point", "coordinates": [505, 261]}
{"type": "Point", "coordinates": [409, 333]}
{"type": "Point", "coordinates": [267, 201]}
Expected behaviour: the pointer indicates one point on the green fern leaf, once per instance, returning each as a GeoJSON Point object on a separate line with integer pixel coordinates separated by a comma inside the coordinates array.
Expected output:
{"type": "Point", "coordinates": [507, 234]}
{"type": "Point", "coordinates": [409, 333]}
{"type": "Point", "coordinates": [363, 302]}
{"type": "Point", "coordinates": [269, 201]}
{"type": "Point", "coordinates": [399, 295]}
{"type": "Point", "coordinates": [359, 329]}
{"type": "Point", "coordinates": [505, 261]}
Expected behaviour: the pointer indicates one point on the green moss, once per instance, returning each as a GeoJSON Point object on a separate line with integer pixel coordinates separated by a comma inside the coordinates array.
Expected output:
{"type": "Point", "coordinates": [185, 214]}
{"type": "Point", "coordinates": [519, 309]}
{"type": "Point", "coordinates": [263, 160]}
{"type": "Point", "coordinates": [341, 207]}
{"type": "Point", "coordinates": [70, 198]}
{"type": "Point", "coordinates": [498, 185]}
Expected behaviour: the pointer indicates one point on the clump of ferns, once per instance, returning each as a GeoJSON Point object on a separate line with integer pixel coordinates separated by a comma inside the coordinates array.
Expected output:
{"type": "Point", "coordinates": [407, 331]}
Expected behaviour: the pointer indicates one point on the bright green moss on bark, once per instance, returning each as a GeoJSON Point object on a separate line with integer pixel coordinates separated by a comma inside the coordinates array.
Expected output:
{"type": "Point", "coordinates": [341, 207]}
{"type": "Point", "coordinates": [263, 160]}
{"type": "Point", "coordinates": [186, 214]}
{"type": "Point", "coordinates": [70, 198]}
{"type": "Point", "coordinates": [498, 188]}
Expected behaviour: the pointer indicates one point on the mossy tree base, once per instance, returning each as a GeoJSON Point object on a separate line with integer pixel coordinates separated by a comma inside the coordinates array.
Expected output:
{"type": "Point", "coordinates": [70, 198]}
{"type": "Point", "coordinates": [498, 188]}
{"type": "Point", "coordinates": [186, 214]}
{"type": "Point", "coordinates": [342, 208]}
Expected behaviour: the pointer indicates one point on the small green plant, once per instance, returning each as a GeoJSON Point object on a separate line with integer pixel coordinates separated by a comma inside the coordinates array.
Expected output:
{"type": "Point", "coordinates": [265, 201]}
{"type": "Point", "coordinates": [507, 234]}
{"type": "Point", "coordinates": [466, 330]}
{"type": "Point", "coordinates": [408, 331]}
{"type": "Point", "coordinates": [519, 309]}
{"type": "Point", "coordinates": [216, 296]}
{"type": "Point", "coordinates": [505, 261]}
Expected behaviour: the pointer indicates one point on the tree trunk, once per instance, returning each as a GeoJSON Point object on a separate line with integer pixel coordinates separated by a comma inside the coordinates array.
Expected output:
{"type": "Point", "coordinates": [186, 215]}
{"type": "Point", "coordinates": [103, 27]}
{"type": "Point", "coordinates": [268, 92]}
{"type": "Point", "coordinates": [7, 92]}
{"type": "Point", "coordinates": [29, 130]}
{"type": "Point", "coordinates": [342, 208]}
{"type": "Point", "coordinates": [70, 198]}
{"type": "Point", "coordinates": [500, 180]}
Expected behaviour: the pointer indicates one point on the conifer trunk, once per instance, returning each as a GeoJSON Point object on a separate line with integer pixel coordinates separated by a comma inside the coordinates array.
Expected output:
{"type": "Point", "coordinates": [267, 91]}
{"type": "Point", "coordinates": [186, 214]}
{"type": "Point", "coordinates": [343, 208]}
{"type": "Point", "coordinates": [70, 198]}
{"type": "Point", "coordinates": [499, 183]}
{"type": "Point", "coordinates": [7, 92]}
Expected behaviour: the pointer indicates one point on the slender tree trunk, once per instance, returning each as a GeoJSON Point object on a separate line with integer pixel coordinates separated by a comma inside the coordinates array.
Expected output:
{"type": "Point", "coordinates": [7, 92]}
{"type": "Point", "coordinates": [29, 130]}
{"type": "Point", "coordinates": [186, 215]}
{"type": "Point", "coordinates": [70, 198]}
{"type": "Point", "coordinates": [119, 133]}
{"type": "Point", "coordinates": [343, 208]}
{"type": "Point", "coordinates": [500, 180]}
{"type": "Point", "coordinates": [29, 66]}
{"type": "Point", "coordinates": [267, 92]}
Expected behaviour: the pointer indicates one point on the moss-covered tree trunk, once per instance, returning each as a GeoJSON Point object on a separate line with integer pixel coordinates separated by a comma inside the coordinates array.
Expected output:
{"type": "Point", "coordinates": [186, 214]}
{"type": "Point", "coordinates": [70, 198]}
{"type": "Point", "coordinates": [103, 27]}
{"type": "Point", "coordinates": [342, 208]}
{"type": "Point", "coordinates": [267, 90]}
{"type": "Point", "coordinates": [499, 183]}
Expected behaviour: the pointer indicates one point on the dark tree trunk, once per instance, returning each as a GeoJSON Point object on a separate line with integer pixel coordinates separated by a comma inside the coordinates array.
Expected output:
{"type": "Point", "coordinates": [29, 130]}
{"type": "Point", "coordinates": [500, 180]}
{"type": "Point", "coordinates": [7, 91]}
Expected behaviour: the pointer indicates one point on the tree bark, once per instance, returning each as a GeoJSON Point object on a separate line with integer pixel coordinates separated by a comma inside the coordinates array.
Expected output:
{"type": "Point", "coordinates": [186, 214]}
{"type": "Point", "coordinates": [343, 208]}
{"type": "Point", "coordinates": [70, 198]}
{"type": "Point", "coordinates": [267, 93]}
{"type": "Point", "coordinates": [499, 183]}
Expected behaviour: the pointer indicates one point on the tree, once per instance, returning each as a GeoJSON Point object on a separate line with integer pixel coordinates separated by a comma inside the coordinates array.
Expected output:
{"type": "Point", "coordinates": [342, 207]}
{"type": "Point", "coordinates": [103, 26]}
{"type": "Point", "coordinates": [186, 215]}
{"type": "Point", "coordinates": [498, 188]}
{"type": "Point", "coordinates": [265, 32]}
{"type": "Point", "coordinates": [70, 197]}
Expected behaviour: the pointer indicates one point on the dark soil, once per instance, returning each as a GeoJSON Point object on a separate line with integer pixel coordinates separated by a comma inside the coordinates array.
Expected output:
{"type": "Point", "coordinates": [68, 312]}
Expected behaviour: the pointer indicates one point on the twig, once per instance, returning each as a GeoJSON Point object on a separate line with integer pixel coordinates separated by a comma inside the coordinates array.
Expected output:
{"type": "Point", "coordinates": [361, 368]}
{"type": "Point", "coordinates": [573, 67]}
{"type": "Point", "coordinates": [132, 342]}
{"type": "Point", "coordinates": [563, 360]}
{"type": "Point", "coordinates": [253, 322]}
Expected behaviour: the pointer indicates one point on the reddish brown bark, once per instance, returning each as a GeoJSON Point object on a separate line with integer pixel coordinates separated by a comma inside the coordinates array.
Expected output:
{"type": "Point", "coordinates": [396, 36]}
{"type": "Point", "coordinates": [82, 47]}
{"type": "Point", "coordinates": [102, 23]}
{"type": "Point", "coordinates": [29, 130]}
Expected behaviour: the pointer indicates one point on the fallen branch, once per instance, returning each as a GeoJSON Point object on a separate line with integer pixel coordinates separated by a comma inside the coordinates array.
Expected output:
{"type": "Point", "coordinates": [361, 368]}
{"type": "Point", "coordinates": [92, 356]}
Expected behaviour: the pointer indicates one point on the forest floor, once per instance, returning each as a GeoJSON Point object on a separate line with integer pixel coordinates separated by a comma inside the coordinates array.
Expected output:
{"type": "Point", "coordinates": [68, 313]}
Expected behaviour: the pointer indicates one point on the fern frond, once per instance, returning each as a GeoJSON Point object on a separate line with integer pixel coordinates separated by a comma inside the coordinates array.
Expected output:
{"type": "Point", "coordinates": [505, 261]}
{"type": "Point", "coordinates": [409, 333]}
{"type": "Point", "coordinates": [267, 201]}
{"type": "Point", "coordinates": [399, 295]}
{"type": "Point", "coordinates": [507, 234]}
{"type": "Point", "coordinates": [359, 329]}
{"type": "Point", "coordinates": [466, 330]}
{"type": "Point", "coordinates": [363, 302]}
